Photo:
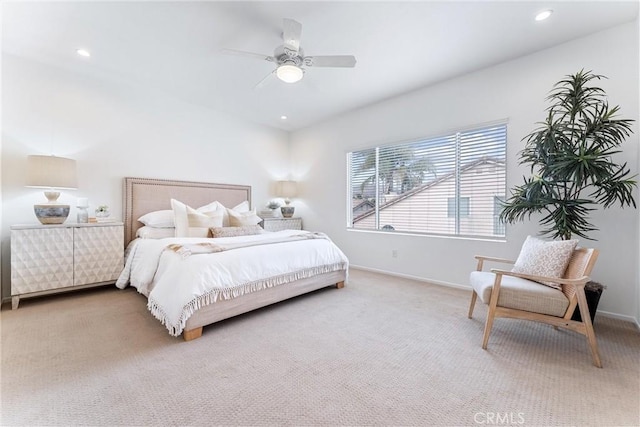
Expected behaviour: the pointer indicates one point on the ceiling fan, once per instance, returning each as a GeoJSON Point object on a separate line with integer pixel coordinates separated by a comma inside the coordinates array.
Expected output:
{"type": "Point", "coordinates": [290, 59]}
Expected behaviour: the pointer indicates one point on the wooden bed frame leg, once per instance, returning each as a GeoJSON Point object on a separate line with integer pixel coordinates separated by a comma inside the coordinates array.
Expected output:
{"type": "Point", "coordinates": [340, 285]}
{"type": "Point", "coordinates": [192, 334]}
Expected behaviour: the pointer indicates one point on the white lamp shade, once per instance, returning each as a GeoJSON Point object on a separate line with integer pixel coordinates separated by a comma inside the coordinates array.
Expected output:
{"type": "Point", "coordinates": [289, 73]}
{"type": "Point", "coordinates": [51, 172]}
{"type": "Point", "coordinates": [287, 189]}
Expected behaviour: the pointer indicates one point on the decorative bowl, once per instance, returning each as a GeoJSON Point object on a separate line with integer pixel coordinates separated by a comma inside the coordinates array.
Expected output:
{"type": "Point", "coordinates": [287, 211]}
{"type": "Point", "coordinates": [51, 213]}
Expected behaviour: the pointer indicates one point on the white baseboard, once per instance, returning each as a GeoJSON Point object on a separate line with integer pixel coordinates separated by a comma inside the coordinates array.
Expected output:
{"type": "Point", "coordinates": [416, 278]}
{"type": "Point", "coordinates": [467, 287]}
{"type": "Point", "coordinates": [620, 317]}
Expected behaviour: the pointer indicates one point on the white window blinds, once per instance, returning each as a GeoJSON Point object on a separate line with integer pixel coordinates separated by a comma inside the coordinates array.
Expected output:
{"type": "Point", "coordinates": [447, 185]}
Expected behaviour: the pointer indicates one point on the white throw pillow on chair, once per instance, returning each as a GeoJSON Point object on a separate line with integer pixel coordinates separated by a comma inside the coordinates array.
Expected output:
{"type": "Point", "coordinates": [545, 258]}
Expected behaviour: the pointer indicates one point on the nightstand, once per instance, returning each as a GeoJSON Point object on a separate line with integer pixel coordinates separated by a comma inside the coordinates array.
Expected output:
{"type": "Point", "coordinates": [278, 224]}
{"type": "Point", "coordinates": [48, 259]}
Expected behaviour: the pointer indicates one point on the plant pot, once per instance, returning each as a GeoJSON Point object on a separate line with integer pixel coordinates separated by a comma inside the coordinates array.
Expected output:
{"type": "Point", "coordinates": [593, 292]}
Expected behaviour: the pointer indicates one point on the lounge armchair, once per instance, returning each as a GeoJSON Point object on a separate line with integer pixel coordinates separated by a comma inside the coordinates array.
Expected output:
{"type": "Point", "coordinates": [519, 295]}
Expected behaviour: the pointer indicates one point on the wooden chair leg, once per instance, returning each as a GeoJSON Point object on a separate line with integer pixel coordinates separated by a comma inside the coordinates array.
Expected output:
{"type": "Point", "coordinates": [493, 303]}
{"type": "Point", "coordinates": [474, 295]}
{"type": "Point", "coordinates": [487, 327]}
{"type": "Point", "coordinates": [588, 327]}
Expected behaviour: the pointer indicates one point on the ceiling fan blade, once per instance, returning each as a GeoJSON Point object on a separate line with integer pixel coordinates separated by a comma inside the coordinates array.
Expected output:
{"type": "Point", "coordinates": [262, 83]}
{"type": "Point", "coordinates": [291, 33]}
{"type": "Point", "coordinates": [330, 61]}
{"type": "Point", "coordinates": [248, 54]}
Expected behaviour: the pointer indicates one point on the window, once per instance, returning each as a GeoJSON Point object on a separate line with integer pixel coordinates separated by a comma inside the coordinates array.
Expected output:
{"type": "Point", "coordinates": [446, 185]}
{"type": "Point", "coordinates": [463, 207]}
{"type": "Point", "coordinates": [498, 225]}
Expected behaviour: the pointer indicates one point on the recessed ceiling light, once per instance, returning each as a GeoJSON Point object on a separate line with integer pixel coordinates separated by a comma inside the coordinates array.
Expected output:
{"type": "Point", "coordinates": [83, 52]}
{"type": "Point", "coordinates": [283, 117]}
{"type": "Point", "coordinates": [544, 15]}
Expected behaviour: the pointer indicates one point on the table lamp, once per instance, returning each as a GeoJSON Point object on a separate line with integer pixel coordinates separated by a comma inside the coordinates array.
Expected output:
{"type": "Point", "coordinates": [287, 189]}
{"type": "Point", "coordinates": [53, 173]}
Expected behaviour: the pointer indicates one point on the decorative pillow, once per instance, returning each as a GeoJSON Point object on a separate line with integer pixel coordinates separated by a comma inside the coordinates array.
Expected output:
{"type": "Point", "coordinates": [240, 219]}
{"type": "Point", "coordinates": [239, 208]}
{"type": "Point", "coordinates": [147, 232]}
{"type": "Point", "coordinates": [193, 223]}
{"type": "Point", "coordinates": [247, 230]}
{"type": "Point", "coordinates": [159, 219]}
{"type": "Point", "coordinates": [545, 258]}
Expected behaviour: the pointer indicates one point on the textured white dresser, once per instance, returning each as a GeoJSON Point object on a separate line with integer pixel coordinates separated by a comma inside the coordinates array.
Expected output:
{"type": "Point", "coordinates": [278, 224]}
{"type": "Point", "coordinates": [55, 258]}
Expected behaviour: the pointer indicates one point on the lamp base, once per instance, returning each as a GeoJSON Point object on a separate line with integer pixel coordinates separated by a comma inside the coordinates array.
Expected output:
{"type": "Point", "coordinates": [287, 211]}
{"type": "Point", "coordinates": [51, 213]}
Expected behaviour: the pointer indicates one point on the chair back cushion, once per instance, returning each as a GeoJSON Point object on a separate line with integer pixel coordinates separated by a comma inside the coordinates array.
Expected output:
{"type": "Point", "coordinates": [545, 258]}
{"type": "Point", "coordinates": [520, 294]}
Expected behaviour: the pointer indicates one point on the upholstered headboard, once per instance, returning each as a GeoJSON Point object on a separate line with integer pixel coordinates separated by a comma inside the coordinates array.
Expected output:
{"type": "Point", "coordinates": [144, 195]}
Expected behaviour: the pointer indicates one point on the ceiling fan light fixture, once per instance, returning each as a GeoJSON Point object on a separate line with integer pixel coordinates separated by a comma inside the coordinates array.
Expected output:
{"type": "Point", "coordinates": [289, 73]}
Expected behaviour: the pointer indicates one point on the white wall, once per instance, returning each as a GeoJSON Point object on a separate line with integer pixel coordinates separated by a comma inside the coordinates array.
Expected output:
{"type": "Point", "coordinates": [515, 90]}
{"type": "Point", "coordinates": [114, 130]}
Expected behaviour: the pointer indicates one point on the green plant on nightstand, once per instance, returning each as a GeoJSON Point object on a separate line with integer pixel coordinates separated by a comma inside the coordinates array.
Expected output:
{"type": "Point", "coordinates": [102, 211]}
{"type": "Point", "coordinates": [274, 204]}
{"type": "Point", "coordinates": [271, 211]}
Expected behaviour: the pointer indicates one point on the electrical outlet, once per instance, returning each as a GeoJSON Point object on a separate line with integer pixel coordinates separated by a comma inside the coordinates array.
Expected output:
{"type": "Point", "coordinates": [394, 253]}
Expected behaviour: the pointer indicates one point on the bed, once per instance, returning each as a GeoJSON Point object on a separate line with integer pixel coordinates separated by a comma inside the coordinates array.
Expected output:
{"type": "Point", "coordinates": [199, 300]}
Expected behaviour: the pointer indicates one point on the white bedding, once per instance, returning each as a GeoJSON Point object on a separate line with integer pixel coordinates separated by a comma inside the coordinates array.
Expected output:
{"type": "Point", "coordinates": [176, 286]}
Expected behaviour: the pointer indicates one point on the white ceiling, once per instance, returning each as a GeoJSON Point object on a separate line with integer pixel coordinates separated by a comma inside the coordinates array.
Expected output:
{"type": "Point", "coordinates": [399, 46]}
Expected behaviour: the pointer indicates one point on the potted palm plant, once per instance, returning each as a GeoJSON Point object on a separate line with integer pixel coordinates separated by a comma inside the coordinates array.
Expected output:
{"type": "Point", "coordinates": [570, 156]}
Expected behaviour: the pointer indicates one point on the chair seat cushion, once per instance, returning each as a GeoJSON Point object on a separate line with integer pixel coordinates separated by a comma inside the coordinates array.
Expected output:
{"type": "Point", "coordinates": [520, 294]}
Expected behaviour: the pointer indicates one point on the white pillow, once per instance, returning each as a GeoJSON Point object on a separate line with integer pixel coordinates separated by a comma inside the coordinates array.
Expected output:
{"type": "Point", "coordinates": [213, 206]}
{"type": "Point", "coordinates": [165, 218]}
{"type": "Point", "coordinates": [193, 223]}
{"type": "Point", "coordinates": [545, 258]}
{"type": "Point", "coordinates": [159, 219]}
{"type": "Point", "coordinates": [242, 207]}
{"type": "Point", "coordinates": [147, 232]}
{"type": "Point", "coordinates": [241, 219]}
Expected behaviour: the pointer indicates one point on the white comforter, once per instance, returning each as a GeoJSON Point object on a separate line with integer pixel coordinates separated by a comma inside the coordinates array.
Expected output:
{"type": "Point", "coordinates": [177, 285]}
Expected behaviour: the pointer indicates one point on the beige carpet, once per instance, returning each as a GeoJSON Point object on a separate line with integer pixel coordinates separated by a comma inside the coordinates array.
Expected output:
{"type": "Point", "coordinates": [380, 351]}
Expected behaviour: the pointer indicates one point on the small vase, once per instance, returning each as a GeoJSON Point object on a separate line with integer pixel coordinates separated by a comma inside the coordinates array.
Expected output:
{"type": "Point", "coordinates": [83, 215]}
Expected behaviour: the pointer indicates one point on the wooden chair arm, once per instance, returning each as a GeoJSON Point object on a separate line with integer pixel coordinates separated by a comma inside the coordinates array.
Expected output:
{"type": "Point", "coordinates": [576, 282]}
{"type": "Point", "coordinates": [481, 259]}
{"type": "Point", "coordinates": [494, 259]}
